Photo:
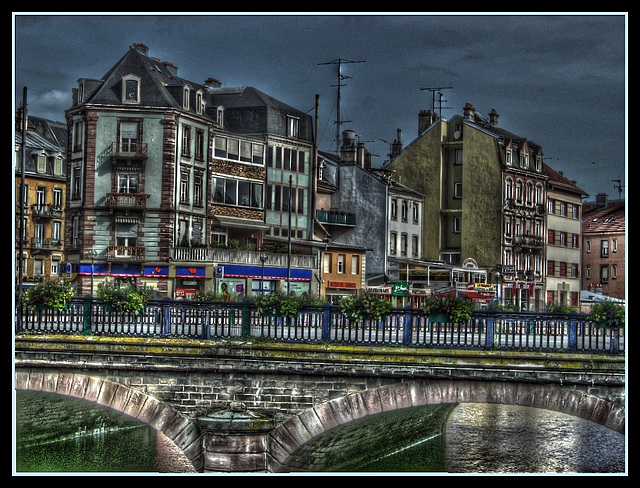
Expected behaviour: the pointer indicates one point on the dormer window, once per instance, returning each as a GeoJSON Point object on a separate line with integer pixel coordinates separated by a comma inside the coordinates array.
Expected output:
{"type": "Point", "coordinates": [131, 89]}
{"type": "Point", "coordinates": [199, 103]}
{"type": "Point", "coordinates": [185, 100]}
{"type": "Point", "coordinates": [220, 115]}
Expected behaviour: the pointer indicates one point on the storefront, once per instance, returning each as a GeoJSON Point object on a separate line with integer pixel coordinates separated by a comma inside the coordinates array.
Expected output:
{"type": "Point", "coordinates": [237, 281]}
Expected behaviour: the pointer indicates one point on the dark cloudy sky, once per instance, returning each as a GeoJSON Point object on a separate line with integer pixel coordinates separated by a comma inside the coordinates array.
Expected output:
{"type": "Point", "coordinates": [558, 80]}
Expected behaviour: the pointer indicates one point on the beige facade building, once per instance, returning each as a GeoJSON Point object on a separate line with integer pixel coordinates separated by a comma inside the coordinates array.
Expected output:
{"type": "Point", "coordinates": [564, 246]}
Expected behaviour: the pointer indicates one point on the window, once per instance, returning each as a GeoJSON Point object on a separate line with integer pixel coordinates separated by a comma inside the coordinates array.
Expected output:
{"type": "Point", "coordinates": [186, 141]}
{"type": "Point", "coordinates": [199, 102]}
{"type": "Point", "coordinates": [76, 182]}
{"type": "Point", "coordinates": [131, 89]}
{"type": "Point", "coordinates": [197, 190]}
{"type": "Point", "coordinates": [588, 245]}
{"type": "Point", "coordinates": [457, 225]}
{"type": "Point", "coordinates": [394, 209]}
{"type": "Point", "coordinates": [243, 193]}
{"type": "Point", "coordinates": [355, 268]}
{"type": "Point", "coordinates": [416, 212]}
{"type": "Point", "coordinates": [57, 198]}
{"type": "Point", "coordinates": [518, 192]}
{"type": "Point", "coordinates": [41, 197]}
{"type": "Point", "coordinates": [127, 182]}
{"type": "Point", "coordinates": [604, 248]}
{"type": "Point", "coordinates": [509, 160]}
{"type": "Point", "coordinates": [293, 126]}
{"type": "Point", "coordinates": [218, 236]}
{"type": "Point", "coordinates": [57, 166]}
{"type": "Point", "coordinates": [529, 194]}
{"type": "Point", "coordinates": [551, 206]}
{"type": "Point", "coordinates": [184, 187]}
{"type": "Point", "coordinates": [393, 237]}
{"type": "Point", "coordinates": [129, 137]}
{"type": "Point", "coordinates": [42, 163]}
{"type": "Point", "coordinates": [55, 232]}
{"type": "Point", "coordinates": [341, 263]}
{"type": "Point", "coordinates": [199, 145]}
{"type": "Point", "coordinates": [508, 188]}
{"type": "Point", "coordinates": [614, 271]}
{"type": "Point", "coordinates": [326, 262]}
{"type": "Point", "coordinates": [458, 156]}
{"type": "Point", "coordinates": [126, 235]}
{"type": "Point", "coordinates": [604, 274]}
{"type": "Point", "coordinates": [75, 232]}
{"type": "Point", "coordinates": [185, 100]}
{"type": "Point", "coordinates": [587, 272]}
{"type": "Point", "coordinates": [414, 246]}
{"type": "Point", "coordinates": [457, 190]}
{"type": "Point", "coordinates": [405, 211]}
{"type": "Point", "coordinates": [614, 245]}
{"type": "Point", "coordinates": [403, 244]}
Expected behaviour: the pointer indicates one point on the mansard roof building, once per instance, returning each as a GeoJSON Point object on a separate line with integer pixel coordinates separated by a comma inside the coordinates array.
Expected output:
{"type": "Point", "coordinates": [169, 181]}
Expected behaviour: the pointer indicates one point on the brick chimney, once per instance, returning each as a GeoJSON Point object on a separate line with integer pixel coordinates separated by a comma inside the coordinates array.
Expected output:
{"type": "Point", "coordinates": [212, 83]}
{"type": "Point", "coordinates": [601, 200]}
{"type": "Point", "coordinates": [141, 48]}
{"type": "Point", "coordinates": [469, 112]}
{"type": "Point", "coordinates": [493, 117]}
{"type": "Point", "coordinates": [424, 120]}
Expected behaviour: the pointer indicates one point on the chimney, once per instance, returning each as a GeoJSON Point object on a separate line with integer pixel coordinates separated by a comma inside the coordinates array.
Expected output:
{"type": "Point", "coordinates": [141, 48]}
{"type": "Point", "coordinates": [212, 83]}
{"type": "Point", "coordinates": [601, 200]}
{"type": "Point", "coordinates": [493, 117]}
{"type": "Point", "coordinates": [424, 120]}
{"type": "Point", "coordinates": [469, 112]}
{"type": "Point", "coordinates": [172, 68]}
{"type": "Point", "coordinates": [348, 150]}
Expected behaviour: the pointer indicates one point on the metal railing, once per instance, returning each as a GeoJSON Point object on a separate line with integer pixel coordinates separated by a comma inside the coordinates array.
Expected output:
{"type": "Point", "coordinates": [486, 330]}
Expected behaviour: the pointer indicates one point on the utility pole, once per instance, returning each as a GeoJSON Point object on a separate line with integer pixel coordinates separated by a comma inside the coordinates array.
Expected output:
{"type": "Point", "coordinates": [23, 153]}
{"type": "Point", "coordinates": [341, 77]}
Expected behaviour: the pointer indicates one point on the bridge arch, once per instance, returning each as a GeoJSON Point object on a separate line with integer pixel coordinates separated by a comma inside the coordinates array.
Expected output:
{"type": "Point", "coordinates": [294, 433]}
{"type": "Point", "coordinates": [181, 430]}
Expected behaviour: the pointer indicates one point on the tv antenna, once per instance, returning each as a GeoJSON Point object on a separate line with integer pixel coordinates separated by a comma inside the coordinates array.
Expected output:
{"type": "Point", "coordinates": [341, 77]}
{"type": "Point", "coordinates": [619, 187]}
{"type": "Point", "coordinates": [438, 90]}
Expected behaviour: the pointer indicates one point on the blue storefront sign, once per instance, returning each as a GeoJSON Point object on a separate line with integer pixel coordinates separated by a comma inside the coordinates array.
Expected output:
{"type": "Point", "coordinates": [269, 273]}
{"type": "Point", "coordinates": [190, 272]}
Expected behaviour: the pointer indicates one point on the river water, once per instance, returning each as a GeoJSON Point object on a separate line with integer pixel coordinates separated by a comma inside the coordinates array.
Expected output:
{"type": "Point", "coordinates": [479, 438]}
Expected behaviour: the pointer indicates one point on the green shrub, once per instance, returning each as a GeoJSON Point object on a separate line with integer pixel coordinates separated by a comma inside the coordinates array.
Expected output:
{"type": "Point", "coordinates": [51, 294]}
{"type": "Point", "coordinates": [459, 310]}
{"type": "Point", "coordinates": [607, 314]}
{"type": "Point", "coordinates": [126, 298]}
{"type": "Point", "coordinates": [364, 306]}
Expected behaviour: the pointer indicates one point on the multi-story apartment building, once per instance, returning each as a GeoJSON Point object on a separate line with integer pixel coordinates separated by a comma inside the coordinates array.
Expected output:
{"type": "Point", "coordinates": [564, 247]}
{"type": "Point", "coordinates": [603, 247]}
{"type": "Point", "coordinates": [168, 178]}
{"type": "Point", "coordinates": [43, 200]}
{"type": "Point", "coordinates": [485, 193]}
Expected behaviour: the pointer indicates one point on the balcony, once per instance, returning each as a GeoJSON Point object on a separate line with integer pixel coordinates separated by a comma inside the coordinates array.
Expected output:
{"type": "Point", "coordinates": [128, 150]}
{"type": "Point", "coordinates": [331, 217]}
{"type": "Point", "coordinates": [532, 242]}
{"type": "Point", "coordinates": [127, 200]}
{"type": "Point", "coordinates": [240, 256]}
{"type": "Point", "coordinates": [46, 244]}
{"type": "Point", "coordinates": [46, 211]}
{"type": "Point", "coordinates": [125, 253]}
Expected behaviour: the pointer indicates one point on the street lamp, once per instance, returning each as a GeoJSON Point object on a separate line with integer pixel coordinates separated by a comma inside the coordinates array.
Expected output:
{"type": "Point", "coordinates": [263, 258]}
{"type": "Point", "coordinates": [92, 255]}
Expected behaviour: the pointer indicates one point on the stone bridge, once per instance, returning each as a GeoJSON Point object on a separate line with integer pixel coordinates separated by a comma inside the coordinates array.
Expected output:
{"type": "Point", "coordinates": [234, 406]}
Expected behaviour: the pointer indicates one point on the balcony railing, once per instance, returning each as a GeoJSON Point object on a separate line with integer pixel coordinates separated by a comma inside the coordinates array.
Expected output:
{"type": "Point", "coordinates": [47, 211]}
{"type": "Point", "coordinates": [128, 149]}
{"type": "Point", "coordinates": [528, 241]}
{"type": "Point", "coordinates": [127, 200]}
{"type": "Point", "coordinates": [240, 256]}
{"type": "Point", "coordinates": [336, 218]}
{"type": "Point", "coordinates": [44, 244]}
{"type": "Point", "coordinates": [126, 253]}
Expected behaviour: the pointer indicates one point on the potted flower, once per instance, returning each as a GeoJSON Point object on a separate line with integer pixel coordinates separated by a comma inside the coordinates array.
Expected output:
{"type": "Point", "coordinates": [125, 298]}
{"type": "Point", "coordinates": [48, 295]}
{"type": "Point", "coordinates": [364, 306]}
{"type": "Point", "coordinates": [607, 314]}
{"type": "Point", "coordinates": [448, 309]}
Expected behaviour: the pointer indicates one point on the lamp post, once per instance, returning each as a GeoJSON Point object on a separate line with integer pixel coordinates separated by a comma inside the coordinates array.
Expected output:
{"type": "Point", "coordinates": [92, 255]}
{"type": "Point", "coordinates": [263, 258]}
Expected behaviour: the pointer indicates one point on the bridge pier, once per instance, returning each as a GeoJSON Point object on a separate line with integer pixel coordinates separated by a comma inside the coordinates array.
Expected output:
{"type": "Point", "coordinates": [235, 440]}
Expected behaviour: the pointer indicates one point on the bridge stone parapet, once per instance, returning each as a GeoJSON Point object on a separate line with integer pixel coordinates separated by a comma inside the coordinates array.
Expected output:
{"type": "Point", "coordinates": [249, 406]}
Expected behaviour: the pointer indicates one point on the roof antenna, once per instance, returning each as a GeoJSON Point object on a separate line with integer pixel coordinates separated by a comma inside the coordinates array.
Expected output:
{"type": "Point", "coordinates": [619, 187]}
{"type": "Point", "coordinates": [341, 77]}
{"type": "Point", "coordinates": [433, 91]}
